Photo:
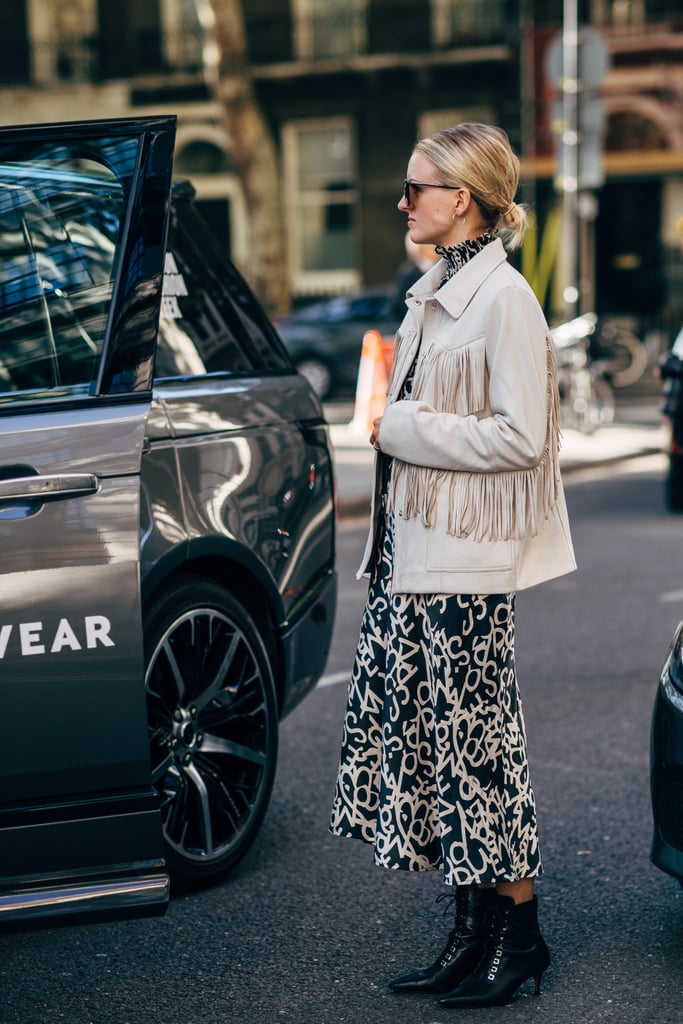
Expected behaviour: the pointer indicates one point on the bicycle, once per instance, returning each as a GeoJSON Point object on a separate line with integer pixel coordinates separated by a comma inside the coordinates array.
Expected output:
{"type": "Point", "coordinates": [586, 397]}
{"type": "Point", "coordinates": [617, 353]}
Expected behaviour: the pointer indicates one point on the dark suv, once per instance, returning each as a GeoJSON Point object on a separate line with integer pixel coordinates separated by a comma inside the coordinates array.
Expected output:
{"type": "Point", "coordinates": [671, 373]}
{"type": "Point", "coordinates": [168, 586]}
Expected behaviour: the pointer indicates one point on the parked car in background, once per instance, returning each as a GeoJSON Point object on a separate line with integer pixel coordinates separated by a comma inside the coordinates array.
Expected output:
{"type": "Point", "coordinates": [168, 587]}
{"type": "Point", "coordinates": [671, 373]}
{"type": "Point", "coordinates": [324, 339]}
{"type": "Point", "coordinates": [666, 762]}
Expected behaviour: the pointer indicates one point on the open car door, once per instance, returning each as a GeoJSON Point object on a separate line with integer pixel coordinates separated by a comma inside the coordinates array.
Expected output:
{"type": "Point", "coordinates": [83, 221]}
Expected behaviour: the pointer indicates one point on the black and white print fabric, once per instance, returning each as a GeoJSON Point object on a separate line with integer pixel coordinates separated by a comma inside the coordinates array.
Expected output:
{"type": "Point", "coordinates": [433, 767]}
{"type": "Point", "coordinates": [456, 256]}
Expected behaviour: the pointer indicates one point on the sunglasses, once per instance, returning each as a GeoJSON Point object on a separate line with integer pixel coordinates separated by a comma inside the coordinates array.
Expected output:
{"type": "Point", "coordinates": [410, 196]}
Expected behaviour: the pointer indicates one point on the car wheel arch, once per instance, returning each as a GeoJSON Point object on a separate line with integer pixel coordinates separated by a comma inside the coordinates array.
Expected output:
{"type": "Point", "coordinates": [260, 601]}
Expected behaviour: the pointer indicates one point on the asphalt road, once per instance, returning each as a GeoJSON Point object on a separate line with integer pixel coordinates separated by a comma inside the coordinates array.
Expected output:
{"type": "Point", "coordinates": [308, 931]}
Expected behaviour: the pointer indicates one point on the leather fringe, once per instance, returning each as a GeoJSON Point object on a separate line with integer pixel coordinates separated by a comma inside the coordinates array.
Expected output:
{"type": "Point", "coordinates": [495, 506]}
{"type": "Point", "coordinates": [459, 376]}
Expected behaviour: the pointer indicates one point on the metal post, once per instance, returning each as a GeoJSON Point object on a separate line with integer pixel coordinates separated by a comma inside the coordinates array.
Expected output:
{"type": "Point", "coordinates": [528, 94]}
{"type": "Point", "coordinates": [570, 154]}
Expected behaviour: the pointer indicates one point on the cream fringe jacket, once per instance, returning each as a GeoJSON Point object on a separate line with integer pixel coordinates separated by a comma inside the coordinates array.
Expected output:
{"type": "Point", "coordinates": [475, 482]}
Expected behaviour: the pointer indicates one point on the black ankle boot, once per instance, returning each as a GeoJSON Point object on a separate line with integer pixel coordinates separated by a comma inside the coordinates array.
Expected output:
{"type": "Point", "coordinates": [515, 952]}
{"type": "Point", "coordinates": [465, 946]}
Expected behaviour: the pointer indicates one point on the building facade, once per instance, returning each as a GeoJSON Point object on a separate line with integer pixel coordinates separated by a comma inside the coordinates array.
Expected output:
{"type": "Point", "coordinates": [63, 60]}
{"type": "Point", "coordinates": [348, 85]}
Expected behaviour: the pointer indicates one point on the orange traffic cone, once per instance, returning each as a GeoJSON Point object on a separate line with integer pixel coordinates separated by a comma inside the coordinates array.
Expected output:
{"type": "Point", "coordinates": [388, 353]}
{"type": "Point", "coordinates": [371, 386]}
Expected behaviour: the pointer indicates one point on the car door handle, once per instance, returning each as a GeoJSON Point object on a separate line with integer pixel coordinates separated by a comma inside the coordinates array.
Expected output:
{"type": "Point", "coordinates": [42, 488]}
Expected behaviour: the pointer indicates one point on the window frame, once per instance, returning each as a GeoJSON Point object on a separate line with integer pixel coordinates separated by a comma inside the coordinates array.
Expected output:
{"type": "Point", "coordinates": [445, 17]}
{"type": "Point", "coordinates": [49, 45]}
{"type": "Point", "coordinates": [308, 21]}
{"type": "Point", "coordinates": [313, 282]}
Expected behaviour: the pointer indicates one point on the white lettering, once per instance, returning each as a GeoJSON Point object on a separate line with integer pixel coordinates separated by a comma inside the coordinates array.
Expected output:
{"type": "Point", "coordinates": [97, 629]}
{"type": "Point", "coordinates": [29, 634]}
{"type": "Point", "coordinates": [96, 633]}
{"type": "Point", "coordinates": [5, 633]}
{"type": "Point", "coordinates": [170, 309]}
{"type": "Point", "coordinates": [174, 284]}
{"type": "Point", "coordinates": [64, 637]}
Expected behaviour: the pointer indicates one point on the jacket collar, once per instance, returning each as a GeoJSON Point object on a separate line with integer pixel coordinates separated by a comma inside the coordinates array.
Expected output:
{"type": "Point", "coordinates": [457, 293]}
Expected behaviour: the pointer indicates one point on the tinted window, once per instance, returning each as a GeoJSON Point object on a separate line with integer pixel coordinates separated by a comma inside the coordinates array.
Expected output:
{"type": "Point", "coordinates": [345, 310]}
{"type": "Point", "coordinates": [60, 217]}
{"type": "Point", "coordinates": [210, 321]}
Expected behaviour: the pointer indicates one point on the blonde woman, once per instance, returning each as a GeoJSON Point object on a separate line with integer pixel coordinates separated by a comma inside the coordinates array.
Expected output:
{"type": "Point", "coordinates": [468, 509]}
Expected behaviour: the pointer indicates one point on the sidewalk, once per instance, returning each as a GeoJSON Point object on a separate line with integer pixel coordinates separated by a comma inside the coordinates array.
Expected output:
{"type": "Point", "coordinates": [614, 442]}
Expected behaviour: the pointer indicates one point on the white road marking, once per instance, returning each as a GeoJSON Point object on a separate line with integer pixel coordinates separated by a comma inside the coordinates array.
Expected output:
{"type": "Point", "coordinates": [640, 464]}
{"type": "Point", "coordinates": [335, 678]}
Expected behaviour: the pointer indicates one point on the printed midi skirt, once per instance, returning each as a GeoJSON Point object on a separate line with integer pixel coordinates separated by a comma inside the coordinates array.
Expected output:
{"type": "Point", "coordinates": [433, 768]}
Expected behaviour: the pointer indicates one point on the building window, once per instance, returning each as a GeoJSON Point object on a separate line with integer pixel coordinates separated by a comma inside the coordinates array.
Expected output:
{"type": "Point", "coordinates": [86, 40]}
{"type": "Point", "coordinates": [329, 28]}
{"type": "Point", "coordinates": [618, 13]}
{"type": "Point", "coordinates": [628, 130]}
{"type": "Point", "coordinates": [63, 35]}
{"type": "Point", "coordinates": [183, 26]}
{"type": "Point", "coordinates": [321, 186]}
{"type": "Point", "coordinates": [468, 22]}
{"type": "Point", "coordinates": [219, 195]}
{"type": "Point", "coordinates": [633, 16]}
{"type": "Point", "coordinates": [432, 121]}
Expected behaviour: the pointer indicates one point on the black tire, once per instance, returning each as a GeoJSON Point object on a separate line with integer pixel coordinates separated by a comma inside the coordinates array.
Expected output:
{"type": "Point", "coordinates": [674, 484]}
{"type": "Point", "coordinates": [213, 727]}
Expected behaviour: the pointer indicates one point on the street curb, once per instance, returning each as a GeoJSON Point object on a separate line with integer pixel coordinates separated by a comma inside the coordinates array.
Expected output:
{"type": "Point", "coordinates": [610, 460]}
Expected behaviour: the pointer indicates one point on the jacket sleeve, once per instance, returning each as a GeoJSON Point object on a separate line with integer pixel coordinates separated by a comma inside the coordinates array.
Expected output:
{"type": "Point", "coordinates": [513, 434]}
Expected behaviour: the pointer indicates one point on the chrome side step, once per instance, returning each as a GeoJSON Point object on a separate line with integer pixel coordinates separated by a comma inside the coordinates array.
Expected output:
{"type": "Point", "coordinates": [105, 898]}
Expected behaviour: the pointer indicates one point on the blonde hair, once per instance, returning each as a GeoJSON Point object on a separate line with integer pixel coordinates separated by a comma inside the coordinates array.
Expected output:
{"type": "Point", "coordinates": [479, 157]}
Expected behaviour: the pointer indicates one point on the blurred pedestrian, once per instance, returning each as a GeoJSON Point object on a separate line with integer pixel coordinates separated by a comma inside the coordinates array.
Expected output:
{"type": "Point", "coordinates": [419, 258]}
{"type": "Point", "coordinates": [468, 509]}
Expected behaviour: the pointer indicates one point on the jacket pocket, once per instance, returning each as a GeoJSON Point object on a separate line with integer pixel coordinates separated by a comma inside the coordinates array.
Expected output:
{"type": "Point", "coordinates": [452, 340]}
{"type": "Point", "coordinates": [446, 553]}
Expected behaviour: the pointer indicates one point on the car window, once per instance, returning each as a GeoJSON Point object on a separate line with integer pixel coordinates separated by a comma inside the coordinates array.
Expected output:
{"type": "Point", "coordinates": [338, 311]}
{"type": "Point", "coordinates": [60, 218]}
{"type": "Point", "coordinates": [343, 309]}
{"type": "Point", "coordinates": [210, 321]}
{"type": "Point", "coordinates": [368, 307]}
{"type": "Point", "coordinates": [311, 313]}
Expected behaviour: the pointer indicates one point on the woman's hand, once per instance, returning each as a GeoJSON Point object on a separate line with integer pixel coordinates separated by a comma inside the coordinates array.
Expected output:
{"type": "Point", "coordinates": [374, 436]}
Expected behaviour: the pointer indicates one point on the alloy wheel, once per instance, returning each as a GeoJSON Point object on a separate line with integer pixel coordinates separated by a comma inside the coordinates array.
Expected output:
{"type": "Point", "coordinates": [213, 730]}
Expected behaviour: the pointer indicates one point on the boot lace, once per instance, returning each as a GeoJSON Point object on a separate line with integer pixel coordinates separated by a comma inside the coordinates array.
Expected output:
{"type": "Point", "coordinates": [448, 899]}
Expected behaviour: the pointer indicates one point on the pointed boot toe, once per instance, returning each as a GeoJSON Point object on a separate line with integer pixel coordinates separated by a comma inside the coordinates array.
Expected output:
{"type": "Point", "coordinates": [463, 950]}
{"type": "Point", "coordinates": [515, 952]}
